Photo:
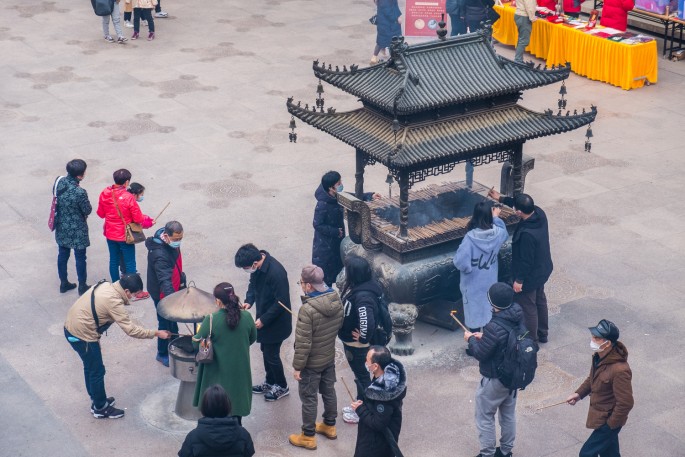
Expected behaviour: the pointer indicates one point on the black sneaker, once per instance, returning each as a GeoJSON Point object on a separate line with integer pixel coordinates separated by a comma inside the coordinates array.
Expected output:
{"type": "Point", "coordinates": [110, 402]}
{"type": "Point", "coordinates": [66, 287]}
{"type": "Point", "coordinates": [498, 453]}
{"type": "Point", "coordinates": [108, 412]}
{"type": "Point", "coordinates": [262, 388]}
{"type": "Point", "coordinates": [276, 393]}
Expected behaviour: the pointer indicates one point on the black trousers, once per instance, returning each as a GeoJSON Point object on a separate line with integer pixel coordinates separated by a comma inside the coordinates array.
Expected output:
{"type": "Point", "coordinates": [271, 352]}
{"type": "Point", "coordinates": [146, 15]}
{"type": "Point", "coordinates": [356, 357]}
{"type": "Point", "coordinates": [602, 442]}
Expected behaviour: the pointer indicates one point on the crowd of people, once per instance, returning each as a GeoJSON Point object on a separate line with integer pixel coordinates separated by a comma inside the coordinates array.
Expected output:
{"type": "Point", "coordinates": [135, 12]}
{"type": "Point", "coordinates": [352, 312]}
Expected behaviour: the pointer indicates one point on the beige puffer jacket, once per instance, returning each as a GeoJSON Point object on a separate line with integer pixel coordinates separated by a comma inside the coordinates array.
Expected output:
{"type": "Point", "coordinates": [146, 4]}
{"type": "Point", "coordinates": [317, 327]}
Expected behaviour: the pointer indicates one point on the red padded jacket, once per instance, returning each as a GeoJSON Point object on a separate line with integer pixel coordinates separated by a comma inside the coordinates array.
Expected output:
{"type": "Point", "coordinates": [114, 227]}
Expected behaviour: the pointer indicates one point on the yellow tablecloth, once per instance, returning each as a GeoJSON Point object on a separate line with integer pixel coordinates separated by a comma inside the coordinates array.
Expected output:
{"type": "Point", "coordinates": [627, 66]}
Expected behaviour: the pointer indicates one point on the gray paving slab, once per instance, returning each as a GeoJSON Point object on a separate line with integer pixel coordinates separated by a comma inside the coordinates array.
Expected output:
{"type": "Point", "coordinates": [198, 116]}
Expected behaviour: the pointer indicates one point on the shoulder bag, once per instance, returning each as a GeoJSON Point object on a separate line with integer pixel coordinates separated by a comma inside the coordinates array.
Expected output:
{"type": "Point", "coordinates": [134, 231]}
{"type": "Point", "coordinates": [205, 353]}
{"type": "Point", "coordinates": [100, 328]}
{"type": "Point", "coordinates": [53, 208]}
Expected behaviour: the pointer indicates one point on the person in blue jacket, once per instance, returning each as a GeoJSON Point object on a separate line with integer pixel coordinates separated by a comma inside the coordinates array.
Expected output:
{"type": "Point", "coordinates": [476, 260]}
{"type": "Point", "coordinates": [388, 25]}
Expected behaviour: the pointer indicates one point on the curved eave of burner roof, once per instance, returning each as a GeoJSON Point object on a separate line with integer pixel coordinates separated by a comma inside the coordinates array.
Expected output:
{"type": "Point", "coordinates": [450, 139]}
{"type": "Point", "coordinates": [439, 73]}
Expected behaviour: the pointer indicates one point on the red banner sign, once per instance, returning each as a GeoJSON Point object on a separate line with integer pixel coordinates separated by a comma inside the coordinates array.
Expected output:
{"type": "Point", "coordinates": [422, 16]}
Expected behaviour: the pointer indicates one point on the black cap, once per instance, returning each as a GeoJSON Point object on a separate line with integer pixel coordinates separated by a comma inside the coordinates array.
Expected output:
{"type": "Point", "coordinates": [605, 329]}
{"type": "Point", "coordinates": [501, 295]}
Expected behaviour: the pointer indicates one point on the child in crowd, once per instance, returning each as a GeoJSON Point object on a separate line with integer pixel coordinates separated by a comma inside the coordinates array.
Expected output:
{"type": "Point", "coordinates": [143, 8]}
{"type": "Point", "coordinates": [138, 191]}
{"type": "Point", "coordinates": [128, 13]}
{"type": "Point", "coordinates": [116, 20]}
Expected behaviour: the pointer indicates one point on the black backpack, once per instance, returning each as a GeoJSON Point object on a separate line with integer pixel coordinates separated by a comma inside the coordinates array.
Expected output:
{"type": "Point", "coordinates": [520, 361]}
{"type": "Point", "coordinates": [383, 331]}
{"type": "Point", "coordinates": [102, 7]}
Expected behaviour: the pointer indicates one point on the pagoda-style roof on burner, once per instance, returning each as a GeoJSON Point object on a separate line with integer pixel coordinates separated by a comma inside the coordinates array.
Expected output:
{"type": "Point", "coordinates": [453, 138]}
{"type": "Point", "coordinates": [436, 74]}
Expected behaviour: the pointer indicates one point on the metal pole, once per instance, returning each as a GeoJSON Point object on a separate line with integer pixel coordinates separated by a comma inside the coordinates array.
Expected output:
{"type": "Point", "coordinates": [359, 176]}
{"type": "Point", "coordinates": [517, 168]}
{"type": "Point", "coordinates": [404, 202]}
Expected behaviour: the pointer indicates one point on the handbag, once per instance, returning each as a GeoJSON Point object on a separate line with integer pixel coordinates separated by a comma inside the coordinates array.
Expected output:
{"type": "Point", "coordinates": [53, 208]}
{"type": "Point", "coordinates": [205, 353]}
{"type": "Point", "coordinates": [134, 231]}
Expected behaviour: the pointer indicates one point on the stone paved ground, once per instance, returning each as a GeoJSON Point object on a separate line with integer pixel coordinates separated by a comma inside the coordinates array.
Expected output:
{"type": "Point", "coordinates": [199, 117]}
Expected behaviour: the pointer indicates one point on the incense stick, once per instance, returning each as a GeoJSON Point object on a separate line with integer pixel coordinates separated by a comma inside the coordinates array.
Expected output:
{"type": "Point", "coordinates": [452, 313]}
{"type": "Point", "coordinates": [163, 209]}
{"type": "Point", "coordinates": [285, 307]}
{"type": "Point", "coordinates": [347, 389]}
{"type": "Point", "coordinates": [549, 406]}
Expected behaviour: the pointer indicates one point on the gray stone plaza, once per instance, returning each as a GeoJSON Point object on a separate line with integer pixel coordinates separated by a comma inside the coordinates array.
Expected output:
{"type": "Point", "coordinates": [199, 117]}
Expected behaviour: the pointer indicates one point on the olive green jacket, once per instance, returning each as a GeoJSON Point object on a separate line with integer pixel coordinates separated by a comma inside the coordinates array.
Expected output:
{"type": "Point", "coordinates": [318, 322]}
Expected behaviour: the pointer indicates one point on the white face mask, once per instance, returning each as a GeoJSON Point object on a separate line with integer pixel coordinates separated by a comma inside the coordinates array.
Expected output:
{"type": "Point", "coordinates": [369, 369]}
{"type": "Point", "coordinates": [595, 346]}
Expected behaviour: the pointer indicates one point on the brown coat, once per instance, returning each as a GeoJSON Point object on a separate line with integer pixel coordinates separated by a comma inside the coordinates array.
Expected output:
{"type": "Point", "coordinates": [318, 323]}
{"type": "Point", "coordinates": [109, 305]}
{"type": "Point", "coordinates": [610, 389]}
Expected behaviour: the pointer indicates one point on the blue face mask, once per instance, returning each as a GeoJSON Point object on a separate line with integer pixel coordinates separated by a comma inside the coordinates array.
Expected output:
{"type": "Point", "coordinates": [339, 188]}
{"type": "Point", "coordinates": [141, 198]}
{"type": "Point", "coordinates": [175, 244]}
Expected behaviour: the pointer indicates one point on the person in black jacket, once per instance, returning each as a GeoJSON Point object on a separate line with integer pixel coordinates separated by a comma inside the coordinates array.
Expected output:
{"type": "Point", "coordinates": [492, 395]}
{"type": "Point", "coordinates": [329, 226]}
{"type": "Point", "coordinates": [360, 295]}
{"type": "Point", "coordinates": [217, 433]}
{"type": "Point", "coordinates": [380, 411]}
{"type": "Point", "coordinates": [165, 276]}
{"type": "Point", "coordinates": [531, 262]}
{"type": "Point", "coordinates": [268, 286]}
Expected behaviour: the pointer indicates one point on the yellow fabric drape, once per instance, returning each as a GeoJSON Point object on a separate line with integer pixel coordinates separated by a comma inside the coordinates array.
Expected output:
{"type": "Point", "coordinates": [627, 66]}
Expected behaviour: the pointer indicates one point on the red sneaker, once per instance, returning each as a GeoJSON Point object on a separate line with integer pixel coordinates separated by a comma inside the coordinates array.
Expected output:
{"type": "Point", "coordinates": [142, 295]}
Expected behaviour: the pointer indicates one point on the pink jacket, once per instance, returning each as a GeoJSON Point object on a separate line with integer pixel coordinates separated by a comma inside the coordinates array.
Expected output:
{"type": "Point", "coordinates": [146, 4]}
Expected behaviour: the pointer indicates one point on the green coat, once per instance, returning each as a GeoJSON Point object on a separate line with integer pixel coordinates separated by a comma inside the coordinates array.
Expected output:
{"type": "Point", "coordinates": [231, 365]}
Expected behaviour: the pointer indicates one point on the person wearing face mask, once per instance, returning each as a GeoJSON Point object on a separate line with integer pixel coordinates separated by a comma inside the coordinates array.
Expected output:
{"type": "Point", "coordinates": [165, 275]}
{"type": "Point", "coordinates": [268, 286]}
{"type": "Point", "coordinates": [329, 225]}
{"type": "Point", "coordinates": [71, 225]}
{"type": "Point", "coordinates": [83, 329]}
{"type": "Point", "coordinates": [380, 410]}
{"type": "Point", "coordinates": [318, 321]}
{"type": "Point", "coordinates": [610, 388]}
{"type": "Point", "coordinates": [491, 395]}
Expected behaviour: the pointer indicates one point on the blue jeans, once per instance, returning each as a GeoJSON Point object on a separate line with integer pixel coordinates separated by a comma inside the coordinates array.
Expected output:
{"type": "Point", "coordinates": [602, 442]}
{"type": "Point", "coordinates": [524, 26]}
{"type": "Point", "coordinates": [164, 324]}
{"type": "Point", "coordinates": [93, 370]}
{"type": "Point", "coordinates": [117, 249]}
{"type": "Point", "coordinates": [63, 258]}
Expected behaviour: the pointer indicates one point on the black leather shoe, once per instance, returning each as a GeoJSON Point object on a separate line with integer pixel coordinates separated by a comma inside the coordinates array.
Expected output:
{"type": "Point", "coordinates": [83, 288]}
{"type": "Point", "coordinates": [542, 339]}
{"type": "Point", "coordinates": [66, 287]}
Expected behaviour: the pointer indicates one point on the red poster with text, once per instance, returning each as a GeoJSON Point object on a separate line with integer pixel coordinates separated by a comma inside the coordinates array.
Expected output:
{"type": "Point", "coordinates": [422, 16]}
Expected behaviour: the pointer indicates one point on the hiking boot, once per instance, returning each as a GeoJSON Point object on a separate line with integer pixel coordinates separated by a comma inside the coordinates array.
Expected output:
{"type": "Point", "coordinates": [276, 393]}
{"type": "Point", "coordinates": [163, 359]}
{"type": "Point", "coordinates": [108, 412]}
{"type": "Point", "coordinates": [83, 288]}
{"type": "Point", "coordinates": [135, 35]}
{"type": "Point", "coordinates": [262, 388]}
{"type": "Point", "coordinates": [66, 287]}
{"type": "Point", "coordinates": [498, 453]}
{"type": "Point", "coordinates": [302, 440]}
{"type": "Point", "coordinates": [109, 39]}
{"type": "Point", "coordinates": [142, 295]}
{"type": "Point", "coordinates": [151, 36]}
{"type": "Point", "coordinates": [326, 430]}
{"type": "Point", "coordinates": [110, 401]}
{"type": "Point", "coordinates": [350, 418]}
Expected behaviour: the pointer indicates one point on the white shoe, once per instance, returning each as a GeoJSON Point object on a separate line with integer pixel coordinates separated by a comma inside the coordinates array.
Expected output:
{"type": "Point", "coordinates": [351, 418]}
{"type": "Point", "coordinates": [128, 24]}
{"type": "Point", "coordinates": [348, 410]}
{"type": "Point", "coordinates": [162, 14]}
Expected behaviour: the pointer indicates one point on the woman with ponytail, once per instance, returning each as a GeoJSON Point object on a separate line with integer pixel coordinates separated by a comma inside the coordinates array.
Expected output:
{"type": "Point", "coordinates": [233, 331]}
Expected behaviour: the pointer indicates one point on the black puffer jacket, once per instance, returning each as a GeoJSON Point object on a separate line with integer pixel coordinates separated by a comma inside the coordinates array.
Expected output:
{"type": "Point", "coordinates": [531, 256]}
{"type": "Point", "coordinates": [489, 349]}
{"type": "Point", "coordinates": [164, 268]}
{"type": "Point", "coordinates": [359, 312]}
{"type": "Point", "coordinates": [382, 408]}
{"type": "Point", "coordinates": [268, 286]}
{"type": "Point", "coordinates": [217, 437]}
{"type": "Point", "coordinates": [328, 223]}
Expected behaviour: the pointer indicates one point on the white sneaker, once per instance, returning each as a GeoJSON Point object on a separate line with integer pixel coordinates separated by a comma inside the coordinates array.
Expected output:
{"type": "Point", "coordinates": [128, 24]}
{"type": "Point", "coordinates": [348, 410]}
{"type": "Point", "coordinates": [350, 418]}
{"type": "Point", "coordinates": [162, 14]}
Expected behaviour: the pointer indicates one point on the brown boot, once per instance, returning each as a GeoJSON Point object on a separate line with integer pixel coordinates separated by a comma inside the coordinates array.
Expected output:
{"type": "Point", "coordinates": [302, 440]}
{"type": "Point", "coordinates": [326, 430]}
